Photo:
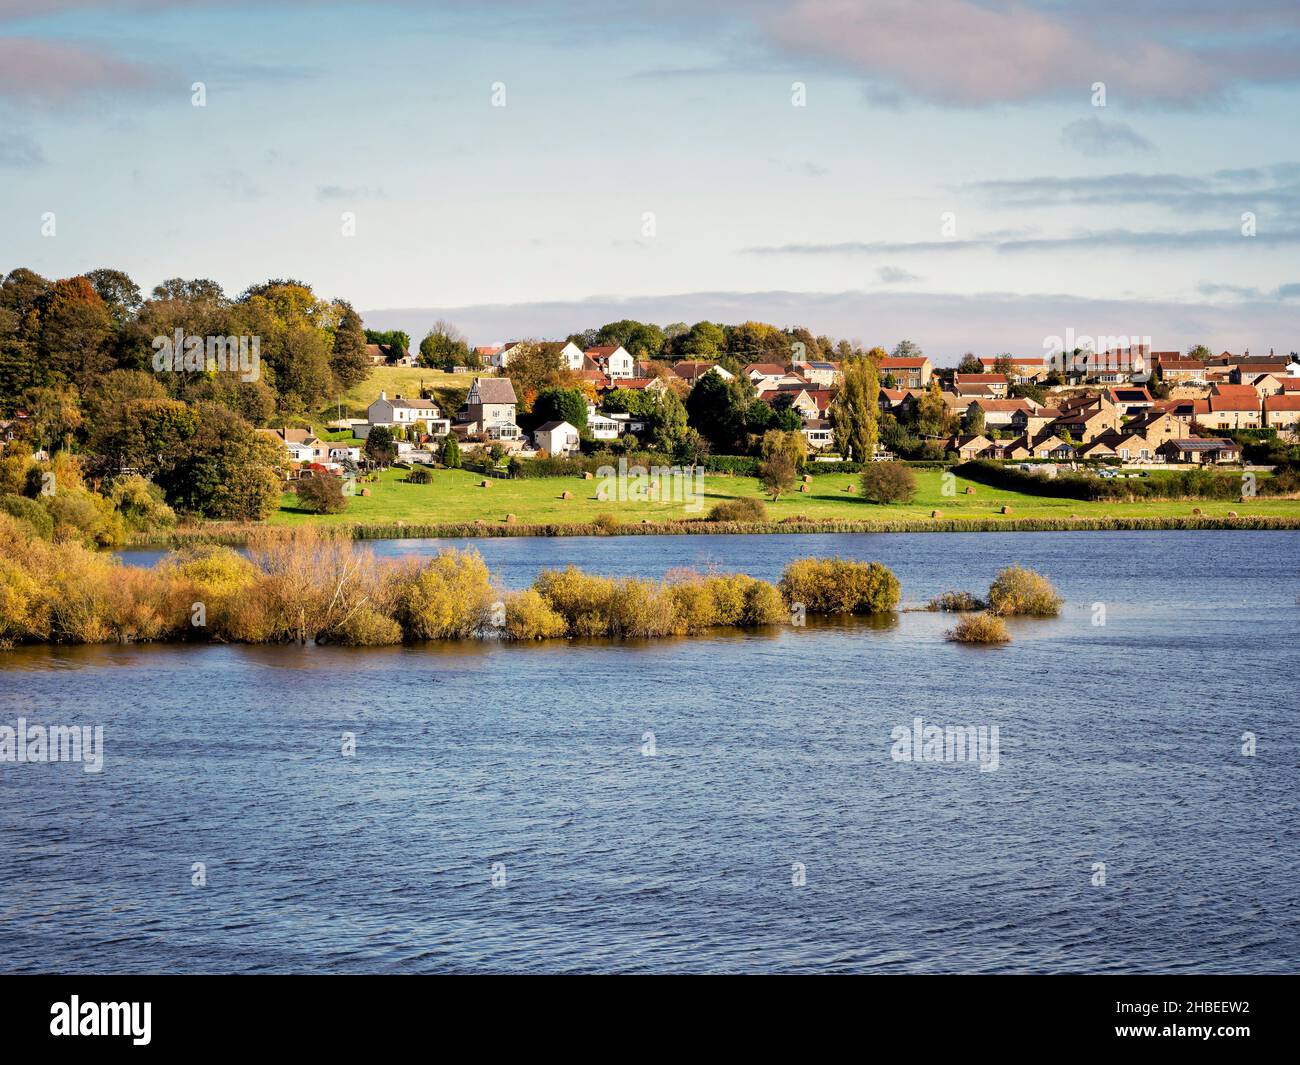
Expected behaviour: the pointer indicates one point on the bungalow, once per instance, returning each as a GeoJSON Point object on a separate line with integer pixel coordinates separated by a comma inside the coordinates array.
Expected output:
{"type": "Point", "coordinates": [969, 447]}
{"type": "Point", "coordinates": [612, 360]}
{"type": "Point", "coordinates": [1201, 450]}
{"type": "Point", "coordinates": [556, 438]}
{"type": "Point", "coordinates": [998, 413]}
{"type": "Point", "coordinates": [818, 433]}
{"type": "Point", "coordinates": [1052, 447]}
{"type": "Point", "coordinates": [1282, 412]}
{"type": "Point", "coordinates": [302, 444]}
{"type": "Point", "coordinates": [908, 373]}
{"type": "Point", "coordinates": [992, 384]}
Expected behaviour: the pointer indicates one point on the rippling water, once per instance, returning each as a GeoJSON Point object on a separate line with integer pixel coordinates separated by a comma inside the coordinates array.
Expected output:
{"type": "Point", "coordinates": [1119, 744]}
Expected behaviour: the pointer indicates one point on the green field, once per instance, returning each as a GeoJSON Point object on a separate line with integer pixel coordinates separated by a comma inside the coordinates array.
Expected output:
{"type": "Point", "coordinates": [455, 497]}
{"type": "Point", "coordinates": [395, 380]}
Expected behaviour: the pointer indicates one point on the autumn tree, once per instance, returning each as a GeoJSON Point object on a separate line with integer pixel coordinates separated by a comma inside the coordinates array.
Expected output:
{"type": "Point", "coordinates": [854, 412]}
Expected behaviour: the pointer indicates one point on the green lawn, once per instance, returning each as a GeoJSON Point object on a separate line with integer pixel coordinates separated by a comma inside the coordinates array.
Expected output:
{"type": "Point", "coordinates": [395, 380]}
{"type": "Point", "coordinates": [455, 496]}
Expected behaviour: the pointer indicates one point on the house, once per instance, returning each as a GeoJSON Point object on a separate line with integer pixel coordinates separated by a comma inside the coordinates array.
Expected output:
{"type": "Point", "coordinates": [405, 414]}
{"type": "Point", "coordinates": [1232, 407]}
{"type": "Point", "coordinates": [991, 384]}
{"type": "Point", "coordinates": [1247, 369]}
{"type": "Point", "coordinates": [896, 401]}
{"type": "Point", "coordinates": [1155, 426]}
{"type": "Point", "coordinates": [763, 371]}
{"type": "Point", "coordinates": [821, 374]}
{"type": "Point", "coordinates": [1130, 400]}
{"type": "Point", "coordinates": [998, 413]}
{"type": "Point", "coordinates": [612, 360]}
{"type": "Point", "coordinates": [1282, 412]}
{"type": "Point", "coordinates": [693, 371]}
{"type": "Point", "coordinates": [1176, 370]}
{"type": "Point", "coordinates": [969, 447]}
{"type": "Point", "coordinates": [1022, 369]}
{"type": "Point", "coordinates": [556, 438]}
{"type": "Point", "coordinates": [1084, 424]}
{"type": "Point", "coordinates": [490, 410]}
{"type": "Point", "coordinates": [818, 433]}
{"type": "Point", "coordinates": [612, 426]}
{"type": "Point", "coordinates": [907, 373]}
{"type": "Point", "coordinates": [1052, 447]}
{"type": "Point", "coordinates": [1203, 450]}
{"type": "Point", "coordinates": [1033, 421]}
{"type": "Point", "coordinates": [302, 444]}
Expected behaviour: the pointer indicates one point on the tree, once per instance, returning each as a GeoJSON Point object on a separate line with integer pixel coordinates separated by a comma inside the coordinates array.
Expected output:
{"type": "Point", "coordinates": [854, 412]}
{"type": "Point", "coordinates": [905, 349]}
{"type": "Point", "coordinates": [226, 470]}
{"type": "Point", "coordinates": [1005, 365]}
{"type": "Point", "coordinates": [792, 445]}
{"type": "Point", "coordinates": [349, 360]}
{"type": "Point", "coordinates": [888, 482]}
{"type": "Point", "coordinates": [561, 405]}
{"type": "Point", "coordinates": [535, 366]}
{"type": "Point", "coordinates": [322, 493]}
{"type": "Point", "coordinates": [932, 412]}
{"type": "Point", "coordinates": [451, 452]}
{"type": "Point", "coordinates": [444, 347]}
{"type": "Point", "coordinates": [970, 364]}
{"type": "Point", "coordinates": [74, 327]}
{"type": "Point", "coordinates": [973, 423]}
{"type": "Point", "coordinates": [380, 447]}
{"type": "Point", "coordinates": [777, 474]}
{"type": "Point", "coordinates": [1199, 352]}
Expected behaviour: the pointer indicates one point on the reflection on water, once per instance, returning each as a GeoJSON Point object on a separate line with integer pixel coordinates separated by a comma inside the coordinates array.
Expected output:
{"type": "Point", "coordinates": [1120, 744]}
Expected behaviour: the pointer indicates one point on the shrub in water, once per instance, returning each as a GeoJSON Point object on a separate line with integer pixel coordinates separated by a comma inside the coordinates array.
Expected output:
{"type": "Point", "coordinates": [450, 596]}
{"type": "Point", "coordinates": [1016, 590]}
{"type": "Point", "coordinates": [530, 617]}
{"type": "Point", "coordinates": [955, 602]}
{"type": "Point", "coordinates": [979, 628]}
{"type": "Point", "coordinates": [840, 586]}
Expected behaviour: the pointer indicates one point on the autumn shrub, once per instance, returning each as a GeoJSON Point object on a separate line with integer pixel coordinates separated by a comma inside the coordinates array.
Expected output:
{"type": "Point", "coordinates": [763, 604]}
{"type": "Point", "coordinates": [955, 602]}
{"type": "Point", "coordinates": [606, 523]}
{"type": "Point", "coordinates": [530, 617]}
{"type": "Point", "coordinates": [979, 628]}
{"type": "Point", "coordinates": [746, 508]}
{"type": "Point", "coordinates": [888, 482]}
{"type": "Point", "coordinates": [31, 512]}
{"type": "Point", "coordinates": [581, 599]}
{"type": "Point", "coordinates": [1016, 590]}
{"type": "Point", "coordinates": [419, 475]}
{"type": "Point", "coordinates": [141, 504]}
{"type": "Point", "coordinates": [840, 586]}
{"type": "Point", "coordinates": [81, 515]}
{"type": "Point", "coordinates": [450, 596]}
{"type": "Point", "coordinates": [322, 494]}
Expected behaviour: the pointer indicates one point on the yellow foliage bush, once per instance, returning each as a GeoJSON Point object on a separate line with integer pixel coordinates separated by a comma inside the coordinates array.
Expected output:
{"type": "Point", "coordinates": [840, 586]}
{"type": "Point", "coordinates": [1016, 590]}
{"type": "Point", "coordinates": [530, 617]}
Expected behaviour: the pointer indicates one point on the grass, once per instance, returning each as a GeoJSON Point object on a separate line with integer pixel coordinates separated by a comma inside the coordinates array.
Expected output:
{"type": "Point", "coordinates": [395, 380]}
{"type": "Point", "coordinates": [454, 496]}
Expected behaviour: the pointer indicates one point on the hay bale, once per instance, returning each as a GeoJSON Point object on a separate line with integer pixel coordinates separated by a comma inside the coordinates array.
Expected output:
{"type": "Point", "coordinates": [803, 488]}
{"type": "Point", "coordinates": [970, 490]}
{"type": "Point", "coordinates": [807, 478]}
{"type": "Point", "coordinates": [1232, 513]}
{"type": "Point", "coordinates": [485, 484]}
{"type": "Point", "coordinates": [936, 513]}
{"type": "Point", "coordinates": [566, 494]}
{"type": "Point", "coordinates": [1196, 512]}
{"type": "Point", "coordinates": [1006, 510]}
{"type": "Point", "coordinates": [511, 519]}
{"type": "Point", "coordinates": [588, 476]}
{"type": "Point", "coordinates": [849, 488]}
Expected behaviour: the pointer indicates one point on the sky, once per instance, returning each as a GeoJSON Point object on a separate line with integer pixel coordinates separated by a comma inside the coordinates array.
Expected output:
{"type": "Point", "coordinates": [971, 176]}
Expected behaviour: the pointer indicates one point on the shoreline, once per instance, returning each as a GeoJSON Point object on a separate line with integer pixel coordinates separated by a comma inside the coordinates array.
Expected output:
{"type": "Point", "coordinates": [236, 535]}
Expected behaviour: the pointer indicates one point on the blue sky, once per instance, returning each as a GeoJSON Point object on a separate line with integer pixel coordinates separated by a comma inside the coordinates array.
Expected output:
{"type": "Point", "coordinates": [530, 219]}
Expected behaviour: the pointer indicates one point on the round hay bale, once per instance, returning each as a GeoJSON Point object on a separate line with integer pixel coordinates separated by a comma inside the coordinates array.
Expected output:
{"type": "Point", "coordinates": [1006, 510]}
{"type": "Point", "coordinates": [803, 488]}
{"type": "Point", "coordinates": [1074, 517]}
{"type": "Point", "coordinates": [1196, 512]}
{"type": "Point", "coordinates": [511, 519]}
{"type": "Point", "coordinates": [849, 488]}
{"type": "Point", "coordinates": [485, 484]}
{"type": "Point", "coordinates": [970, 490]}
{"type": "Point", "coordinates": [365, 491]}
{"type": "Point", "coordinates": [807, 478]}
{"type": "Point", "coordinates": [1232, 513]}
{"type": "Point", "coordinates": [566, 495]}
{"type": "Point", "coordinates": [936, 513]}
{"type": "Point", "coordinates": [588, 476]}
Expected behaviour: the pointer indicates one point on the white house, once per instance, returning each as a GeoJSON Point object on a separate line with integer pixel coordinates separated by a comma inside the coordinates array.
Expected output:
{"type": "Point", "coordinates": [612, 360]}
{"type": "Point", "coordinates": [556, 438]}
{"type": "Point", "coordinates": [404, 413]}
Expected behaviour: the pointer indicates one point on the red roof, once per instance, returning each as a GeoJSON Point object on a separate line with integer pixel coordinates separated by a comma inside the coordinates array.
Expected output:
{"type": "Point", "coordinates": [1282, 401]}
{"type": "Point", "coordinates": [904, 364]}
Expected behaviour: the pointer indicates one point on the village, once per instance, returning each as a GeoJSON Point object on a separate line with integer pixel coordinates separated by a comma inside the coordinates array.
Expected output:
{"type": "Point", "coordinates": [1129, 408]}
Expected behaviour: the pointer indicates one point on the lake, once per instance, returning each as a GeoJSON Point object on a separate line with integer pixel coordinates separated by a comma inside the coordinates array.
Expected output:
{"type": "Point", "coordinates": [726, 803]}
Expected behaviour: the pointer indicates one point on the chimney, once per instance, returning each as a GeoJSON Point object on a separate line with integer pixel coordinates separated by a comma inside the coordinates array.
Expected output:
{"type": "Point", "coordinates": [383, 394]}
